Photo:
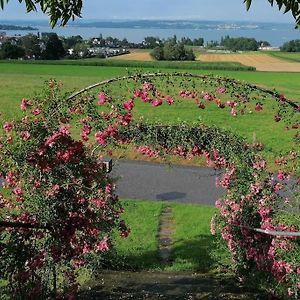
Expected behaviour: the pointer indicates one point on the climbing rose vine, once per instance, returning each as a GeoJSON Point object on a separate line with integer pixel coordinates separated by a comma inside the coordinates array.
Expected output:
{"type": "Point", "coordinates": [51, 164]}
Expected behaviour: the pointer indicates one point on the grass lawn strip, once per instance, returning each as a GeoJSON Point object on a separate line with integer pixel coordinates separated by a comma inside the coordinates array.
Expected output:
{"type": "Point", "coordinates": [192, 243]}
{"type": "Point", "coordinates": [139, 250]}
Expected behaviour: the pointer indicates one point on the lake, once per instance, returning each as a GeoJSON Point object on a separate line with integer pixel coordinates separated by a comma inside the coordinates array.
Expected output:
{"type": "Point", "coordinates": [276, 34]}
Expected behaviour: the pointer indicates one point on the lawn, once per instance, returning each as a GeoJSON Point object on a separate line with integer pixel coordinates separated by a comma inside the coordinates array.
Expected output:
{"type": "Point", "coordinates": [23, 80]}
{"type": "Point", "coordinates": [193, 244]}
{"type": "Point", "coordinates": [139, 249]}
{"type": "Point", "coordinates": [194, 247]}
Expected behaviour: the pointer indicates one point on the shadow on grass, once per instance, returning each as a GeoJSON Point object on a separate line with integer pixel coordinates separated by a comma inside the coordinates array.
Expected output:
{"type": "Point", "coordinates": [197, 254]}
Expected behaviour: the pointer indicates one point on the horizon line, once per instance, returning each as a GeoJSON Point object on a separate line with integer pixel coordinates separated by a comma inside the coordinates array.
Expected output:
{"type": "Point", "coordinates": [80, 20]}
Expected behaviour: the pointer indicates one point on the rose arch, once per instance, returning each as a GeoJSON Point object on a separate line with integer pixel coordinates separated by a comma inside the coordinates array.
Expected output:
{"type": "Point", "coordinates": [59, 208]}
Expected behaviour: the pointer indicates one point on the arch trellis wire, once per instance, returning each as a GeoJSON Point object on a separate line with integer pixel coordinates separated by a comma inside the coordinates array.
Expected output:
{"type": "Point", "coordinates": [145, 76]}
{"type": "Point", "coordinates": [214, 79]}
{"type": "Point", "coordinates": [156, 128]}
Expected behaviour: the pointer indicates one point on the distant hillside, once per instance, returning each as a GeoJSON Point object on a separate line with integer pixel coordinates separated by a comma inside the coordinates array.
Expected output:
{"type": "Point", "coordinates": [16, 27]}
{"type": "Point", "coordinates": [177, 24]}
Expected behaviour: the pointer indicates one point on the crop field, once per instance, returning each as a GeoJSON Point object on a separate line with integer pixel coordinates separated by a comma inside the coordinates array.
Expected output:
{"type": "Point", "coordinates": [24, 80]}
{"type": "Point", "coordinates": [262, 62]}
{"type": "Point", "coordinates": [101, 62]}
{"type": "Point", "coordinates": [135, 55]}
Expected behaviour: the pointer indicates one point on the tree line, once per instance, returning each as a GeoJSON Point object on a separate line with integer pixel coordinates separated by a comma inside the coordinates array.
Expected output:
{"type": "Point", "coordinates": [49, 46]}
{"type": "Point", "coordinates": [291, 46]}
{"type": "Point", "coordinates": [31, 46]}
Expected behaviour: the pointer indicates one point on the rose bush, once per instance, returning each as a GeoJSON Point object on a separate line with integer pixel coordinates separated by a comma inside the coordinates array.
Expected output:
{"type": "Point", "coordinates": [255, 198]}
{"type": "Point", "coordinates": [58, 205]}
{"type": "Point", "coordinates": [51, 163]}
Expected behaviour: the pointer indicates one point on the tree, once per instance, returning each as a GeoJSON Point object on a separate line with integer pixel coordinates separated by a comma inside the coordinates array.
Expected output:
{"type": "Point", "coordinates": [291, 46]}
{"type": "Point", "coordinates": [158, 53]}
{"type": "Point", "coordinates": [53, 47]}
{"type": "Point", "coordinates": [70, 42]}
{"type": "Point", "coordinates": [288, 5]}
{"type": "Point", "coordinates": [172, 51]}
{"type": "Point", "coordinates": [169, 51]}
{"type": "Point", "coordinates": [198, 42]}
{"type": "Point", "coordinates": [240, 44]}
{"type": "Point", "coordinates": [151, 42]}
{"type": "Point", "coordinates": [11, 51]}
{"type": "Point", "coordinates": [81, 50]}
{"type": "Point", "coordinates": [31, 45]}
{"type": "Point", "coordinates": [212, 44]}
{"type": "Point", "coordinates": [264, 44]}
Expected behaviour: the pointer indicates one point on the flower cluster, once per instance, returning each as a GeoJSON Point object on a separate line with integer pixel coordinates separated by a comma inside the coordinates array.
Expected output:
{"type": "Point", "coordinates": [149, 94]}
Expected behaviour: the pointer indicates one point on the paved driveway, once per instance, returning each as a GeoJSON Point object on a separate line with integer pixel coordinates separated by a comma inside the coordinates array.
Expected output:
{"type": "Point", "coordinates": [152, 181]}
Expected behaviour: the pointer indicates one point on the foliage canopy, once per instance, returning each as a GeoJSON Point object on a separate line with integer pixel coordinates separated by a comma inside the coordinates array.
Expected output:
{"type": "Point", "coordinates": [287, 5]}
{"type": "Point", "coordinates": [57, 10]}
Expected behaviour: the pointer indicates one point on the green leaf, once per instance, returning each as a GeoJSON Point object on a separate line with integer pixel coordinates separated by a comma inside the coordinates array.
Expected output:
{"type": "Point", "coordinates": [2, 2]}
{"type": "Point", "coordinates": [248, 4]}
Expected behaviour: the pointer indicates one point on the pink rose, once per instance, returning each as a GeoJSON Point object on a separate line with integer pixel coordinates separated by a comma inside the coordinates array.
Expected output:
{"type": "Point", "coordinates": [8, 126]}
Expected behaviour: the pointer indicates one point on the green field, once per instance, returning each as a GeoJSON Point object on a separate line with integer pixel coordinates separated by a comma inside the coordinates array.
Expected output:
{"type": "Point", "coordinates": [291, 56]}
{"type": "Point", "coordinates": [139, 249]}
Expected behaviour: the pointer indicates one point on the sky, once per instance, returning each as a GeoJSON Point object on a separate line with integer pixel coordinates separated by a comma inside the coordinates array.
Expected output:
{"type": "Point", "coordinates": [227, 10]}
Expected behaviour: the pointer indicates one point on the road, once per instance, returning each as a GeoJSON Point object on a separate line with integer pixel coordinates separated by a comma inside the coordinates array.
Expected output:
{"type": "Point", "coordinates": [153, 181]}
